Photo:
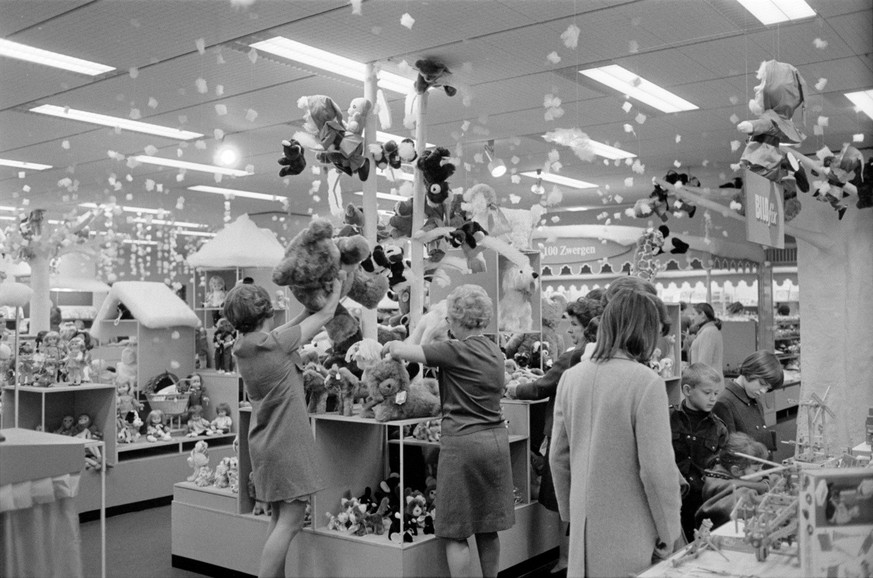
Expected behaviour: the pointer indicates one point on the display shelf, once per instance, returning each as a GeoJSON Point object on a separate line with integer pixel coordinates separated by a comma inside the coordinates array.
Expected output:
{"type": "Point", "coordinates": [355, 455]}
{"type": "Point", "coordinates": [45, 407]}
{"type": "Point", "coordinates": [176, 445]}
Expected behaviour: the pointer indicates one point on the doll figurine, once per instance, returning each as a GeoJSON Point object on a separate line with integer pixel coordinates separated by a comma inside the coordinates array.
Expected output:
{"type": "Point", "coordinates": [51, 348]}
{"type": "Point", "coordinates": [223, 340]}
{"type": "Point", "coordinates": [193, 386]}
{"type": "Point", "coordinates": [199, 461]}
{"type": "Point", "coordinates": [76, 361]}
{"type": "Point", "coordinates": [197, 424]}
{"type": "Point", "coordinates": [68, 426]}
{"type": "Point", "coordinates": [216, 293]}
{"type": "Point", "coordinates": [222, 422]}
{"type": "Point", "coordinates": [156, 429]}
{"type": "Point", "coordinates": [201, 348]}
{"type": "Point", "coordinates": [124, 401]}
{"type": "Point", "coordinates": [126, 368]}
{"type": "Point", "coordinates": [87, 430]}
{"type": "Point", "coordinates": [25, 363]}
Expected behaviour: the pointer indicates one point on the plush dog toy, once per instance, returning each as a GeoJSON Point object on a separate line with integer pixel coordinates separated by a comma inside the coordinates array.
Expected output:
{"type": "Point", "coordinates": [388, 384]}
{"type": "Point", "coordinates": [343, 381]}
{"type": "Point", "coordinates": [293, 160]}
{"type": "Point", "coordinates": [316, 388]}
{"type": "Point", "coordinates": [515, 310]}
{"type": "Point", "coordinates": [312, 262]}
{"type": "Point", "coordinates": [433, 73]}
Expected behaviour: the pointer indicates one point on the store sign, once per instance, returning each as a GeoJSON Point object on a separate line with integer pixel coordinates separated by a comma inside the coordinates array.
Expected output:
{"type": "Point", "coordinates": [563, 251]}
{"type": "Point", "coordinates": [765, 218]}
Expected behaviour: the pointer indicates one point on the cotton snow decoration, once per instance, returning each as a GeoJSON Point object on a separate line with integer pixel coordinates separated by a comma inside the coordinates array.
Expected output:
{"type": "Point", "coordinates": [573, 138]}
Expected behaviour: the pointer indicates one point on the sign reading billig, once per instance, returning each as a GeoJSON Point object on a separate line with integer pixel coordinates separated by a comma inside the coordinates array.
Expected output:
{"type": "Point", "coordinates": [765, 220]}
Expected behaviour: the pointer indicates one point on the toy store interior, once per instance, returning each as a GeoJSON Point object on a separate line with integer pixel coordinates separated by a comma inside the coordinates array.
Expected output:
{"type": "Point", "coordinates": [271, 271]}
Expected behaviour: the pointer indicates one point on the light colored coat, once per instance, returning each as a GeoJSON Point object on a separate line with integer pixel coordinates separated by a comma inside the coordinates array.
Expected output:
{"type": "Point", "coordinates": [708, 348]}
{"type": "Point", "coordinates": [612, 461]}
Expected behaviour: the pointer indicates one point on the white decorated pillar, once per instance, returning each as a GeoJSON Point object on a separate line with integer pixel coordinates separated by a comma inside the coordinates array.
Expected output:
{"type": "Point", "coordinates": [370, 202]}
{"type": "Point", "coordinates": [40, 301]}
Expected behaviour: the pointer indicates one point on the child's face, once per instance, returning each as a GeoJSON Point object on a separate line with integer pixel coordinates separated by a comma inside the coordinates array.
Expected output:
{"type": "Point", "coordinates": [702, 397]}
{"type": "Point", "coordinates": [755, 387]}
{"type": "Point", "coordinates": [752, 468]}
{"type": "Point", "coordinates": [222, 412]}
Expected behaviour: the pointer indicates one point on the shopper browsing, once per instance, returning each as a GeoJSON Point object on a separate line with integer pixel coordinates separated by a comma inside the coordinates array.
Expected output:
{"type": "Point", "coordinates": [283, 455]}
{"type": "Point", "coordinates": [474, 487]}
{"type": "Point", "coordinates": [579, 313]}
{"type": "Point", "coordinates": [698, 435]}
{"type": "Point", "coordinates": [708, 345]}
{"type": "Point", "coordinates": [723, 478]}
{"type": "Point", "coordinates": [737, 405]}
{"type": "Point", "coordinates": [615, 475]}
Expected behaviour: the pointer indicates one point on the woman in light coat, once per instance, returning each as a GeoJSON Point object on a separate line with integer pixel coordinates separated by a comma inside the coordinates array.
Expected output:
{"type": "Point", "coordinates": [615, 474]}
{"type": "Point", "coordinates": [708, 344]}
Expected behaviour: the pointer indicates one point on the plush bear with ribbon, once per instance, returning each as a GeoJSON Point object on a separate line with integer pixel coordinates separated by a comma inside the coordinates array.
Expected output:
{"type": "Point", "coordinates": [779, 94]}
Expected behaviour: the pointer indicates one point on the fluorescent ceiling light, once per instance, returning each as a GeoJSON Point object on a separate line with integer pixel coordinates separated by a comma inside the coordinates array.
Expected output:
{"type": "Point", "coordinates": [40, 56]}
{"type": "Point", "coordinates": [609, 152]}
{"type": "Point", "coordinates": [560, 180]}
{"type": "Point", "coordinates": [195, 233]}
{"type": "Point", "coordinates": [125, 209]}
{"type": "Point", "coordinates": [775, 11]}
{"type": "Point", "coordinates": [7, 218]}
{"type": "Point", "coordinates": [149, 160]}
{"type": "Point", "coordinates": [10, 209]}
{"type": "Point", "coordinates": [625, 81]}
{"type": "Point", "coordinates": [574, 209]}
{"type": "Point", "coordinates": [114, 121]}
{"type": "Point", "coordinates": [317, 58]}
{"type": "Point", "coordinates": [386, 136]}
{"type": "Point", "coordinates": [138, 242]}
{"type": "Point", "coordinates": [385, 196]}
{"type": "Point", "coordinates": [237, 193]}
{"type": "Point", "coordinates": [863, 100]}
{"type": "Point", "coordinates": [398, 174]}
{"type": "Point", "coordinates": [150, 221]}
{"type": "Point", "coordinates": [24, 165]}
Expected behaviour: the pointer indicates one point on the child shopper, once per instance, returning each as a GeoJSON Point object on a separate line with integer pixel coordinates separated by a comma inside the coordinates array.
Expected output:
{"type": "Point", "coordinates": [718, 488]}
{"type": "Point", "coordinates": [698, 435]}
{"type": "Point", "coordinates": [283, 455]}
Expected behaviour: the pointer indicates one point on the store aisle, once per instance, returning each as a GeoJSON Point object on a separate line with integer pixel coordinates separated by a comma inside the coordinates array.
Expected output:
{"type": "Point", "coordinates": [137, 546]}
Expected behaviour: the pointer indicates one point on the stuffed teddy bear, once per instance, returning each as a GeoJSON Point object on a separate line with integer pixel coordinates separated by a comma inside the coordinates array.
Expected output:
{"type": "Point", "coordinates": [515, 310]}
{"type": "Point", "coordinates": [388, 384]}
{"type": "Point", "coordinates": [386, 333]}
{"type": "Point", "coordinates": [386, 154]}
{"type": "Point", "coordinates": [353, 222]}
{"type": "Point", "coordinates": [552, 310]}
{"type": "Point", "coordinates": [779, 94]}
{"type": "Point", "coordinates": [436, 170]}
{"type": "Point", "coordinates": [293, 160]}
{"type": "Point", "coordinates": [841, 169]}
{"type": "Point", "coordinates": [312, 262]}
{"type": "Point", "coordinates": [433, 73]}
{"type": "Point", "coordinates": [467, 237]}
{"type": "Point", "coordinates": [316, 388]}
{"type": "Point", "coordinates": [400, 223]}
{"type": "Point", "coordinates": [343, 381]}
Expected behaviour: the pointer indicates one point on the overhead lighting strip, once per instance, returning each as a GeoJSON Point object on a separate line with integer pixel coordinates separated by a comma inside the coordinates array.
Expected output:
{"type": "Point", "coordinates": [150, 221]}
{"type": "Point", "coordinates": [164, 162]}
{"type": "Point", "coordinates": [863, 101]}
{"type": "Point", "coordinates": [237, 193]}
{"type": "Point", "coordinates": [626, 82]}
{"type": "Point", "coordinates": [114, 122]}
{"type": "Point", "coordinates": [324, 60]}
{"type": "Point", "coordinates": [53, 59]}
{"type": "Point", "coordinates": [126, 209]}
{"type": "Point", "coordinates": [776, 11]}
{"type": "Point", "coordinates": [559, 180]}
{"type": "Point", "coordinates": [24, 165]}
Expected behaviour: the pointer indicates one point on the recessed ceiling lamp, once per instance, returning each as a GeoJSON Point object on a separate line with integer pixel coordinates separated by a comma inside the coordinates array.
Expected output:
{"type": "Point", "coordinates": [237, 193]}
{"type": "Point", "coordinates": [24, 165]}
{"type": "Point", "coordinates": [775, 11]}
{"type": "Point", "coordinates": [863, 101]}
{"type": "Point", "coordinates": [114, 121]}
{"type": "Point", "coordinates": [559, 180]}
{"type": "Point", "coordinates": [149, 221]}
{"type": "Point", "coordinates": [126, 209]}
{"type": "Point", "coordinates": [150, 160]}
{"type": "Point", "coordinates": [625, 81]}
{"type": "Point", "coordinates": [54, 59]}
{"type": "Point", "coordinates": [226, 156]}
{"type": "Point", "coordinates": [317, 58]}
{"type": "Point", "coordinates": [496, 166]}
{"type": "Point", "coordinates": [386, 196]}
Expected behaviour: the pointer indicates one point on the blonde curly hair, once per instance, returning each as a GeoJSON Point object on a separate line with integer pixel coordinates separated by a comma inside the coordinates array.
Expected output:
{"type": "Point", "coordinates": [469, 306]}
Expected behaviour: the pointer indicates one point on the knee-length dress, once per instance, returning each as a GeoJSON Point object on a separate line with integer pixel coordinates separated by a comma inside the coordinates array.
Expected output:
{"type": "Point", "coordinates": [474, 481]}
{"type": "Point", "coordinates": [285, 464]}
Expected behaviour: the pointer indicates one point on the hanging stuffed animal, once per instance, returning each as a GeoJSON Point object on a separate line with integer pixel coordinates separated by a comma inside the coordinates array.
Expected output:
{"type": "Point", "coordinates": [659, 201]}
{"type": "Point", "coordinates": [436, 169]}
{"type": "Point", "coordinates": [648, 245]}
{"type": "Point", "coordinates": [779, 94]}
{"type": "Point", "coordinates": [293, 161]}
{"type": "Point", "coordinates": [468, 237]}
{"type": "Point", "coordinates": [841, 169]}
{"type": "Point", "coordinates": [342, 142]}
{"type": "Point", "coordinates": [433, 73]}
{"type": "Point", "coordinates": [515, 309]}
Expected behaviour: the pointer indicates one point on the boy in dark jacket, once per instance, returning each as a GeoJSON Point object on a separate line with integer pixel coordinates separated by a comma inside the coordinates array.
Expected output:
{"type": "Point", "coordinates": [698, 435]}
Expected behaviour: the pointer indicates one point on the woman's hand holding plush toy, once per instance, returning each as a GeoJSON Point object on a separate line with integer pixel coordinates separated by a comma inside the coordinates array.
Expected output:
{"type": "Point", "coordinates": [312, 324]}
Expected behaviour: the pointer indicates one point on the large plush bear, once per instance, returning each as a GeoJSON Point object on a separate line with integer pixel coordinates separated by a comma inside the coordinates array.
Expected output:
{"type": "Point", "coordinates": [313, 260]}
{"type": "Point", "coordinates": [388, 385]}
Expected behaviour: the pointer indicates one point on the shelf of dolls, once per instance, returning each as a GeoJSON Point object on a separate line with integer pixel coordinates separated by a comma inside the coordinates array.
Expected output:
{"type": "Point", "coordinates": [44, 408]}
{"type": "Point", "coordinates": [144, 448]}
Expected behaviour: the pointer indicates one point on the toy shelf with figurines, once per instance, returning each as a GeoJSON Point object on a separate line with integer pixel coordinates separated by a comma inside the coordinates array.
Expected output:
{"type": "Point", "coordinates": [44, 408]}
{"type": "Point", "coordinates": [357, 454]}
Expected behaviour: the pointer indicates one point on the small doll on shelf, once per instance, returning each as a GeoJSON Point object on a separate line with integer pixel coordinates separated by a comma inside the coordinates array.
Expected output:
{"type": "Point", "coordinates": [199, 462]}
{"type": "Point", "coordinates": [197, 424]}
{"type": "Point", "coordinates": [193, 386]}
{"type": "Point", "coordinates": [124, 401]}
{"type": "Point", "coordinates": [68, 426]}
{"type": "Point", "coordinates": [76, 361]}
{"type": "Point", "coordinates": [222, 422]}
{"type": "Point", "coordinates": [156, 428]}
{"type": "Point", "coordinates": [223, 340]}
{"type": "Point", "coordinates": [87, 430]}
{"type": "Point", "coordinates": [52, 349]}
{"type": "Point", "coordinates": [216, 293]}
{"type": "Point", "coordinates": [126, 368]}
